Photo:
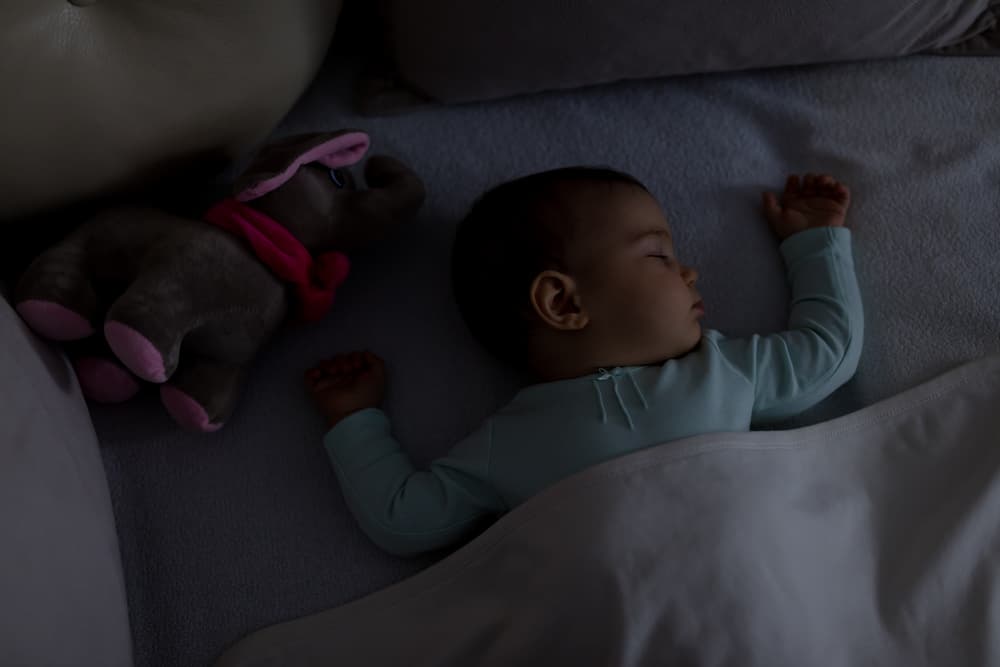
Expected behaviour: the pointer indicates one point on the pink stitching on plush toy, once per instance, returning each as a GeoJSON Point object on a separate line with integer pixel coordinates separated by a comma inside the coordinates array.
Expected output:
{"type": "Point", "coordinates": [342, 151]}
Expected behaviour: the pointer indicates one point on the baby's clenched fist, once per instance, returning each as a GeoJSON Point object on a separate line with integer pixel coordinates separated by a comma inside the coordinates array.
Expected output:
{"type": "Point", "coordinates": [346, 384]}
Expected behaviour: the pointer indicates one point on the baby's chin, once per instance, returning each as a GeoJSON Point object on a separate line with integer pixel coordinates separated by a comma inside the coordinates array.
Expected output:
{"type": "Point", "coordinates": [694, 342]}
{"type": "Point", "coordinates": [689, 348]}
{"type": "Point", "coordinates": [680, 349]}
{"type": "Point", "coordinates": [697, 344]}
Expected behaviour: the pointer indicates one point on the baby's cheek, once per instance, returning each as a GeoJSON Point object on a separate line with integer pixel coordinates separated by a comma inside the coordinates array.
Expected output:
{"type": "Point", "coordinates": [654, 317]}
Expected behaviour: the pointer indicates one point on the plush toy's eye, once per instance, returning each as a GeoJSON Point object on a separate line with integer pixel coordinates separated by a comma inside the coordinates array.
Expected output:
{"type": "Point", "coordinates": [336, 178]}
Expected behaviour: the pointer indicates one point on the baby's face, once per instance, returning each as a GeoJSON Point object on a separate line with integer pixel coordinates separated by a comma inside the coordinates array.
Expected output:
{"type": "Point", "coordinates": [641, 301]}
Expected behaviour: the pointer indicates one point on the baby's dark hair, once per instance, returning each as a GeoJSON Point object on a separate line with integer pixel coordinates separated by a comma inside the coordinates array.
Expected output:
{"type": "Point", "coordinates": [510, 235]}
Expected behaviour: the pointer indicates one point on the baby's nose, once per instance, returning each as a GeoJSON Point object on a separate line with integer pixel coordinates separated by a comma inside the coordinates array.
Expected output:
{"type": "Point", "coordinates": [690, 274]}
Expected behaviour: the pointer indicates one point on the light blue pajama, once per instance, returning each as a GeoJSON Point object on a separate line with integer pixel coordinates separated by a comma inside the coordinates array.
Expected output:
{"type": "Point", "coordinates": [552, 430]}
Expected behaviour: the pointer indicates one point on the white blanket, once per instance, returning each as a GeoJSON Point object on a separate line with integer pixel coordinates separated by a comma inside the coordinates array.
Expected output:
{"type": "Point", "coordinates": [873, 539]}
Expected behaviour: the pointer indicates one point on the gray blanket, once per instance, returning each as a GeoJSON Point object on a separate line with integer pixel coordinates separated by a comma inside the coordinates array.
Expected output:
{"type": "Point", "coordinates": [227, 533]}
{"type": "Point", "coordinates": [873, 539]}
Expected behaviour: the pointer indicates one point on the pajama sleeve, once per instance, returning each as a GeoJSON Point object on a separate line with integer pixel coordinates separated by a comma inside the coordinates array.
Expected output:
{"type": "Point", "coordinates": [407, 511]}
{"type": "Point", "coordinates": [795, 369]}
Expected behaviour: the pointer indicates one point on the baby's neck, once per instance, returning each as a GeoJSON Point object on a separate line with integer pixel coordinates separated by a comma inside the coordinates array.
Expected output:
{"type": "Point", "coordinates": [565, 358]}
{"type": "Point", "coordinates": [553, 368]}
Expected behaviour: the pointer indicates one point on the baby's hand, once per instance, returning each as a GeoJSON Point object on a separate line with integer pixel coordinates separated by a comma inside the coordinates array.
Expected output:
{"type": "Point", "coordinates": [819, 201]}
{"type": "Point", "coordinates": [346, 384]}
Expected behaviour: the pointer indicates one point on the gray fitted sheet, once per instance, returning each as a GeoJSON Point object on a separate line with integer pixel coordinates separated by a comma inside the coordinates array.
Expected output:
{"type": "Point", "coordinates": [222, 534]}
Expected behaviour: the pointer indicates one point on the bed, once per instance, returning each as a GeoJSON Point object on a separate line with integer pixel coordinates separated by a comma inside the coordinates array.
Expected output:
{"type": "Point", "coordinates": [224, 534]}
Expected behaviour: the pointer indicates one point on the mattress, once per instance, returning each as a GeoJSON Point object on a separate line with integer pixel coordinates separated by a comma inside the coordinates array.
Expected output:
{"type": "Point", "coordinates": [225, 533]}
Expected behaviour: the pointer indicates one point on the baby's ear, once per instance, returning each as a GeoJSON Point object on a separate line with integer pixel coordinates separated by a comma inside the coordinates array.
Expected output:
{"type": "Point", "coordinates": [556, 301]}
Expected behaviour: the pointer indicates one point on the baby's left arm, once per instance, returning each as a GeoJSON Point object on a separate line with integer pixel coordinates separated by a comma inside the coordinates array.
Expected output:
{"type": "Point", "coordinates": [795, 369]}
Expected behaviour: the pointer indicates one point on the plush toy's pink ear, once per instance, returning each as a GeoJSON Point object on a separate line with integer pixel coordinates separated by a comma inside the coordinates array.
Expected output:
{"type": "Point", "coordinates": [279, 162]}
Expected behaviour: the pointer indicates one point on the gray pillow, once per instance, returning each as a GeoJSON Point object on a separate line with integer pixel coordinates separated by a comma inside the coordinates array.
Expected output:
{"type": "Point", "coordinates": [62, 594]}
{"type": "Point", "coordinates": [459, 51]}
{"type": "Point", "coordinates": [101, 97]}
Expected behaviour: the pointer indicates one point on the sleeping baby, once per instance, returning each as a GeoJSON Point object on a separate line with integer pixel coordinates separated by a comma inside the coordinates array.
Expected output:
{"type": "Point", "coordinates": [572, 276]}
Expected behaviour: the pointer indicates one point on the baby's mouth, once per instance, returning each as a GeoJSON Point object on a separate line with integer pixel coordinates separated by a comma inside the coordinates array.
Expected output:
{"type": "Point", "coordinates": [699, 306]}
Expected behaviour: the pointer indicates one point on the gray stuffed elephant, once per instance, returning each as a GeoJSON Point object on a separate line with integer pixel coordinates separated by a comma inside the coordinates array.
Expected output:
{"type": "Point", "coordinates": [188, 303]}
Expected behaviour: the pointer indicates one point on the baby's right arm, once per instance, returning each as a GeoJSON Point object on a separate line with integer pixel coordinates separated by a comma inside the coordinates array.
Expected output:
{"type": "Point", "coordinates": [792, 370]}
{"type": "Point", "coordinates": [403, 510]}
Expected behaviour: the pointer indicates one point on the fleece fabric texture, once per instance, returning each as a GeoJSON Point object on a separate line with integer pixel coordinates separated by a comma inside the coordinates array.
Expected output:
{"type": "Point", "coordinates": [225, 533]}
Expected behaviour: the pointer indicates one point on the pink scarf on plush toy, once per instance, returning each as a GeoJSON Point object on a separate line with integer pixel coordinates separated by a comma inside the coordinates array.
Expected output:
{"type": "Point", "coordinates": [315, 280]}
